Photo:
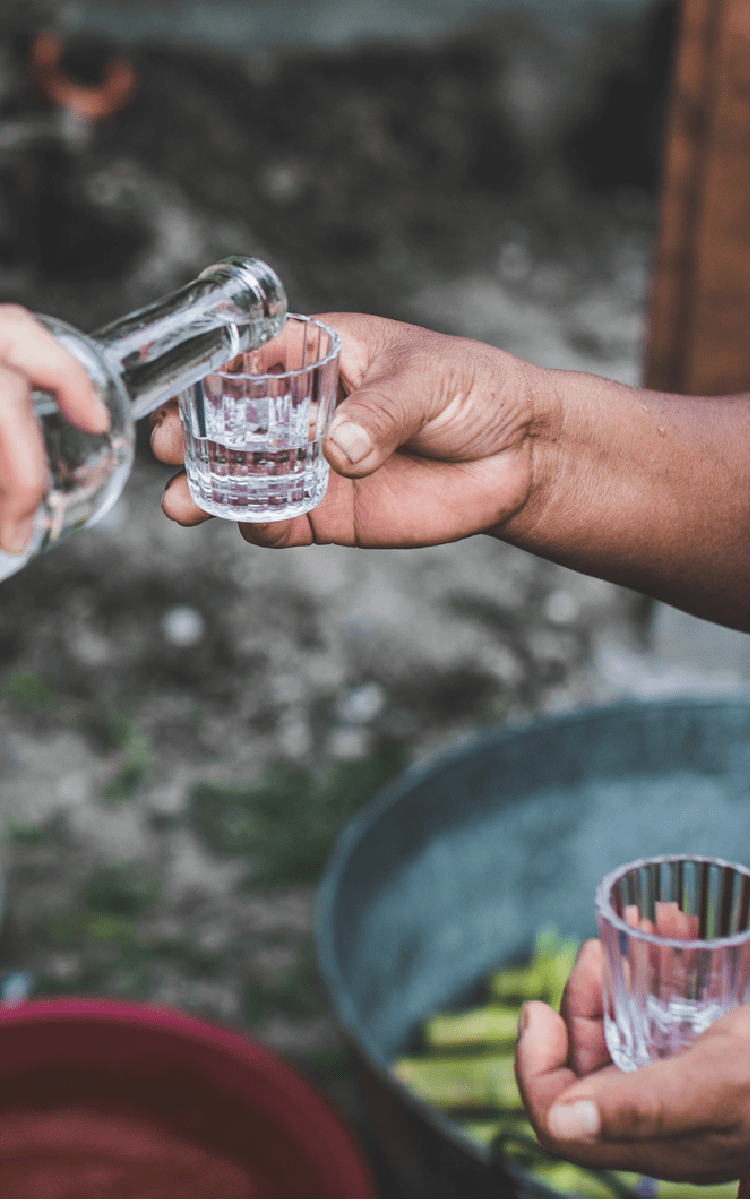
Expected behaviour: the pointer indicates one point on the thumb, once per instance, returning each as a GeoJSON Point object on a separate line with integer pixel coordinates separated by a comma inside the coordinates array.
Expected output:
{"type": "Point", "coordinates": [370, 425]}
{"type": "Point", "coordinates": [668, 1097]}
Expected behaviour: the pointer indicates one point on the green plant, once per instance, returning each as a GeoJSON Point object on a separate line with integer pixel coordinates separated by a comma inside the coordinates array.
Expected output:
{"type": "Point", "coordinates": [137, 758]}
{"type": "Point", "coordinates": [296, 992]}
{"type": "Point", "coordinates": [290, 822]}
{"type": "Point", "coordinates": [29, 692]}
{"type": "Point", "coordinates": [25, 834]}
{"type": "Point", "coordinates": [120, 889]}
{"type": "Point", "coordinates": [80, 926]}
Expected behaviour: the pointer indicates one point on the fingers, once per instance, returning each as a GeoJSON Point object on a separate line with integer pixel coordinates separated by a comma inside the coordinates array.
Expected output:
{"type": "Point", "coordinates": [30, 357]}
{"type": "Point", "coordinates": [178, 505]}
{"type": "Point", "coordinates": [167, 445]}
{"type": "Point", "coordinates": [166, 433]}
{"type": "Point", "coordinates": [671, 922]}
{"type": "Point", "coordinates": [581, 1009]}
{"type": "Point", "coordinates": [683, 1118]}
{"type": "Point", "coordinates": [277, 535]}
{"type": "Point", "coordinates": [23, 477]}
{"type": "Point", "coordinates": [331, 521]}
{"type": "Point", "coordinates": [28, 348]}
{"type": "Point", "coordinates": [542, 1070]}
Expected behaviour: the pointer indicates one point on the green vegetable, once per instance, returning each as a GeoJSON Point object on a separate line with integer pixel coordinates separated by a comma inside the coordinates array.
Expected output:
{"type": "Point", "coordinates": [667, 1188]}
{"type": "Point", "coordinates": [462, 1082]}
{"type": "Point", "coordinates": [572, 1181]}
{"type": "Point", "coordinates": [544, 978]}
{"type": "Point", "coordinates": [492, 1024]}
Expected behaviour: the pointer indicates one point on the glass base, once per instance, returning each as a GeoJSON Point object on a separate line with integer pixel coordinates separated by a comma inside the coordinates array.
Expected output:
{"type": "Point", "coordinates": [256, 497]}
{"type": "Point", "coordinates": [661, 1030]}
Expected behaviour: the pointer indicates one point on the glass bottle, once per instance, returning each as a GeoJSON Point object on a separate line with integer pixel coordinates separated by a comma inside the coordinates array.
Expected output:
{"type": "Point", "coordinates": [136, 364]}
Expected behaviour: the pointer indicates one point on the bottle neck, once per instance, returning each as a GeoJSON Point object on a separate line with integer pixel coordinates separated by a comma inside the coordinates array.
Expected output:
{"type": "Point", "coordinates": [159, 350]}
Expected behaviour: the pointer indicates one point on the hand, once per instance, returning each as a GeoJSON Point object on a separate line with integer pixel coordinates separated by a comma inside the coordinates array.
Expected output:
{"type": "Point", "coordinates": [683, 1118]}
{"type": "Point", "coordinates": [446, 421]}
{"type": "Point", "coordinates": [31, 358]}
{"type": "Point", "coordinates": [440, 438]}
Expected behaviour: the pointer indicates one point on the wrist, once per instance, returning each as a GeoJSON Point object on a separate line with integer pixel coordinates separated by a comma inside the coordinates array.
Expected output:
{"type": "Point", "coordinates": [543, 435]}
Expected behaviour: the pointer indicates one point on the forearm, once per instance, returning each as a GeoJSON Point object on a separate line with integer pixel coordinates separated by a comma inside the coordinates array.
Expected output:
{"type": "Point", "coordinates": [643, 489]}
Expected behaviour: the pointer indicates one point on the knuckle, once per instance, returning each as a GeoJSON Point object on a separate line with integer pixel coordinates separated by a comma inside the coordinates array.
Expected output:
{"type": "Point", "coordinates": [646, 1117]}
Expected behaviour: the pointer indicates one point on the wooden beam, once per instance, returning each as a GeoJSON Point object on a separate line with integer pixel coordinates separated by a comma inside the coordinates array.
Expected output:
{"type": "Point", "coordinates": [698, 320]}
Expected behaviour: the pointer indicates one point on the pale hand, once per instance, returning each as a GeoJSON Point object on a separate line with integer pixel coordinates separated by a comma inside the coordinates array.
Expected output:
{"type": "Point", "coordinates": [31, 358]}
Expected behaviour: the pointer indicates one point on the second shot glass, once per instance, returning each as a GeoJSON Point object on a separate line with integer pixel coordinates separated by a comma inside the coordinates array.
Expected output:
{"type": "Point", "coordinates": [252, 432]}
{"type": "Point", "coordinates": [675, 937]}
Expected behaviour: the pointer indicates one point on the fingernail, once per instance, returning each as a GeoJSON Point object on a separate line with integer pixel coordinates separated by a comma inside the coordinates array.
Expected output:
{"type": "Point", "coordinates": [353, 440]}
{"type": "Point", "coordinates": [523, 1021]}
{"type": "Point", "coordinates": [14, 536]}
{"type": "Point", "coordinates": [574, 1119]}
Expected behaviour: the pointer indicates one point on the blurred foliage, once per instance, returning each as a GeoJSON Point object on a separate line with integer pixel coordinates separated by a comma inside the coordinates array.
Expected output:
{"type": "Point", "coordinates": [75, 927]}
{"type": "Point", "coordinates": [112, 954]}
{"type": "Point", "coordinates": [137, 758]}
{"type": "Point", "coordinates": [111, 900]}
{"type": "Point", "coordinates": [296, 992]}
{"type": "Point", "coordinates": [29, 692]}
{"type": "Point", "coordinates": [290, 822]}
{"type": "Point", "coordinates": [120, 889]}
{"type": "Point", "coordinates": [108, 732]}
{"type": "Point", "coordinates": [26, 834]}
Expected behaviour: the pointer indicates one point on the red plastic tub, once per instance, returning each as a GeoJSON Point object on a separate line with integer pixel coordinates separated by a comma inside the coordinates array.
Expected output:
{"type": "Point", "coordinates": [112, 1099]}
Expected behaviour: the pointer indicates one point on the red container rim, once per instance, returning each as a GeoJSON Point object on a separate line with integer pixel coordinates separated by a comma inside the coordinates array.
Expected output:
{"type": "Point", "coordinates": [314, 1129]}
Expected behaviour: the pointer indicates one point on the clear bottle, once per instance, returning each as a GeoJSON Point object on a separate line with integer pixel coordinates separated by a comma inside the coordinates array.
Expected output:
{"type": "Point", "coordinates": [136, 364]}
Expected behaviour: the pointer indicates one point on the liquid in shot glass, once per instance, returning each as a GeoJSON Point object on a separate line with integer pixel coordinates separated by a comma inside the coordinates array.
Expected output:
{"type": "Point", "coordinates": [253, 432]}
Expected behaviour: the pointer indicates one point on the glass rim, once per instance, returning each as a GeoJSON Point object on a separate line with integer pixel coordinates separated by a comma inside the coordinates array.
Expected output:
{"type": "Point", "coordinates": [604, 908]}
{"type": "Point", "coordinates": [336, 346]}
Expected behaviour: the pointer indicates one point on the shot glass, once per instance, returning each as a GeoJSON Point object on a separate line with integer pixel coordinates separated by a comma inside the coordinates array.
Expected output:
{"type": "Point", "coordinates": [675, 937]}
{"type": "Point", "coordinates": [252, 432]}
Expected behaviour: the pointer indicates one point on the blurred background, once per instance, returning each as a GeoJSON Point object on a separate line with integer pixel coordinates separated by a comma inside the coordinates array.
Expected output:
{"type": "Point", "coordinates": [187, 721]}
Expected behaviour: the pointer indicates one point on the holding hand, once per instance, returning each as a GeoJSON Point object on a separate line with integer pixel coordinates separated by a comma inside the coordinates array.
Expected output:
{"type": "Point", "coordinates": [443, 422]}
{"type": "Point", "coordinates": [31, 358]}
{"type": "Point", "coordinates": [682, 1118]}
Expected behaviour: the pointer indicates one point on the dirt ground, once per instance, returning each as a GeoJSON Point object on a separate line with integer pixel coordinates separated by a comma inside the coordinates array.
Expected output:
{"type": "Point", "coordinates": [187, 721]}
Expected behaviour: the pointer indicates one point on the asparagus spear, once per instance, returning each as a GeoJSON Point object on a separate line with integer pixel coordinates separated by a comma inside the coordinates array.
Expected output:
{"type": "Point", "coordinates": [545, 977]}
{"type": "Point", "coordinates": [491, 1024]}
{"type": "Point", "coordinates": [462, 1082]}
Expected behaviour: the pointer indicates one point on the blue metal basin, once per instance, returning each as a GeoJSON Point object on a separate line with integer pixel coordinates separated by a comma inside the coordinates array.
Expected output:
{"type": "Point", "coordinates": [455, 866]}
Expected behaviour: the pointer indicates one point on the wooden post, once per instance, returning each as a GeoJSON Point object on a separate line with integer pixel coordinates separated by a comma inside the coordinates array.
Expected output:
{"type": "Point", "coordinates": [698, 322]}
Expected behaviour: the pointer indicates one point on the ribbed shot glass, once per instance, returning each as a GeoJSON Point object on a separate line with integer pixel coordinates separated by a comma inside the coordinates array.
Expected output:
{"type": "Point", "coordinates": [252, 432]}
{"type": "Point", "coordinates": [675, 936]}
